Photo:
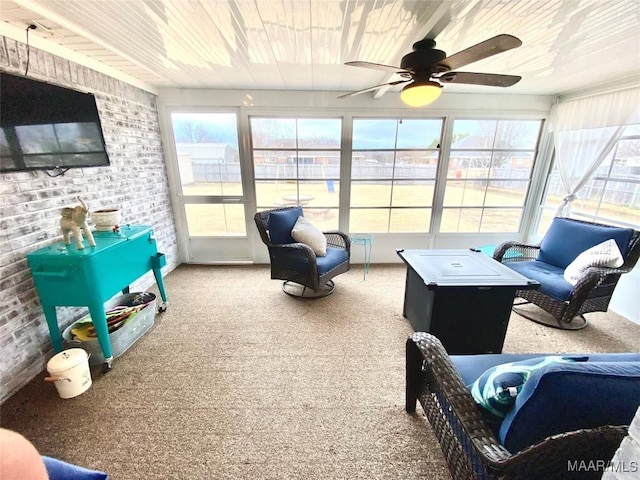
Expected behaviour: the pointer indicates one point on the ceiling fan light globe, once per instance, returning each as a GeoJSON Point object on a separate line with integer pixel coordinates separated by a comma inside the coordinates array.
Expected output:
{"type": "Point", "coordinates": [421, 94]}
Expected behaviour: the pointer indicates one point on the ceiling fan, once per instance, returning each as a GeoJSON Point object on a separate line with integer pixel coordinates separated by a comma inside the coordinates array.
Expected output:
{"type": "Point", "coordinates": [426, 69]}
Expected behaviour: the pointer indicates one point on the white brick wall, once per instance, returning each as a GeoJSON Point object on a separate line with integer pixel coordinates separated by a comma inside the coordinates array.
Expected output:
{"type": "Point", "coordinates": [30, 203]}
{"type": "Point", "coordinates": [626, 461]}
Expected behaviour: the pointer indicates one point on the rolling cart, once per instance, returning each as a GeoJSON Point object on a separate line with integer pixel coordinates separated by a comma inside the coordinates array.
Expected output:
{"type": "Point", "coordinates": [67, 276]}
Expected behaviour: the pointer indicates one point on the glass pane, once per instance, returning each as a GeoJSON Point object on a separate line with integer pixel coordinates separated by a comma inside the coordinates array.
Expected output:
{"type": "Point", "coordinates": [273, 132]}
{"type": "Point", "coordinates": [319, 132]}
{"type": "Point", "coordinates": [465, 193]}
{"type": "Point", "coordinates": [460, 220]}
{"type": "Point", "coordinates": [278, 164]}
{"type": "Point", "coordinates": [501, 220]}
{"type": "Point", "coordinates": [322, 218]}
{"type": "Point", "coordinates": [504, 193]}
{"type": "Point", "coordinates": [474, 134]}
{"type": "Point", "coordinates": [369, 220]}
{"type": "Point", "coordinates": [371, 194]}
{"type": "Point", "coordinates": [511, 165]}
{"type": "Point", "coordinates": [419, 133]}
{"type": "Point", "coordinates": [546, 216]}
{"type": "Point", "coordinates": [277, 193]}
{"type": "Point", "coordinates": [372, 133]}
{"type": "Point", "coordinates": [416, 164]}
{"type": "Point", "coordinates": [517, 134]}
{"type": "Point", "coordinates": [469, 164]}
{"type": "Point", "coordinates": [324, 193]}
{"type": "Point", "coordinates": [412, 193]}
{"type": "Point", "coordinates": [205, 128]}
{"type": "Point", "coordinates": [204, 220]}
{"type": "Point", "coordinates": [207, 153]}
{"type": "Point", "coordinates": [410, 220]}
{"type": "Point", "coordinates": [372, 165]}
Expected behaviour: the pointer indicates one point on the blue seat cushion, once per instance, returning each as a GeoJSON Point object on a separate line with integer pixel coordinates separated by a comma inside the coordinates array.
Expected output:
{"type": "Point", "coordinates": [565, 397]}
{"type": "Point", "coordinates": [551, 278]}
{"type": "Point", "coordinates": [566, 239]}
{"type": "Point", "coordinates": [281, 223]}
{"type": "Point", "coordinates": [60, 470]}
{"type": "Point", "coordinates": [333, 258]}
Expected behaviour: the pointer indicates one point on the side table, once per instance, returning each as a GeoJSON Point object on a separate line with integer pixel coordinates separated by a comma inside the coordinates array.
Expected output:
{"type": "Point", "coordinates": [366, 240]}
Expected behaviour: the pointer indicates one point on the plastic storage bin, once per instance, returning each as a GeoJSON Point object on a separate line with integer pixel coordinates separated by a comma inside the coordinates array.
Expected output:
{"type": "Point", "coordinates": [120, 339]}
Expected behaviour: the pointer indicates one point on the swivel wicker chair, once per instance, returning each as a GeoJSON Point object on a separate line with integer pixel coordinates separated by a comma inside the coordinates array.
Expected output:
{"type": "Point", "coordinates": [566, 304]}
{"type": "Point", "coordinates": [304, 273]}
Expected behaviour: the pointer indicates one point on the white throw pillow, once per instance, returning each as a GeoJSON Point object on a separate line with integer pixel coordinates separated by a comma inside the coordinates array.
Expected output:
{"type": "Point", "coordinates": [605, 254]}
{"type": "Point", "coordinates": [304, 232]}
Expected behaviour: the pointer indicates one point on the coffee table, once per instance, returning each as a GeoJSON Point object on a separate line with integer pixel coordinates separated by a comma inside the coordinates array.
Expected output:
{"type": "Point", "coordinates": [463, 297]}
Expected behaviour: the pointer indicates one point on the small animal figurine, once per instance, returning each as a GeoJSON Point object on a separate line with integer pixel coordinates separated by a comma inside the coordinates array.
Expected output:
{"type": "Point", "coordinates": [74, 219]}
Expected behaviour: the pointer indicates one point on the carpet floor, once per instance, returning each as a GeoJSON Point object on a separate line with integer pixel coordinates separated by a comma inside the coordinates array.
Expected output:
{"type": "Point", "coordinates": [237, 380]}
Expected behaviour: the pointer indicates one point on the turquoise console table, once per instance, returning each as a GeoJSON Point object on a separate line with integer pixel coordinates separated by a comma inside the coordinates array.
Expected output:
{"type": "Point", "coordinates": [66, 276]}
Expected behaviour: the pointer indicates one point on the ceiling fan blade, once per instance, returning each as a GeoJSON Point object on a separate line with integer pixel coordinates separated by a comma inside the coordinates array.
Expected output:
{"type": "Point", "coordinates": [492, 46]}
{"type": "Point", "coordinates": [490, 79]}
{"type": "Point", "coordinates": [377, 66]}
{"type": "Point", "coordinates": [370, 89]}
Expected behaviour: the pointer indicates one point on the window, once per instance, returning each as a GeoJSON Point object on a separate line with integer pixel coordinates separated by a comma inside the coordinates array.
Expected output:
{"type": "Point", "coordinates": [612, 195]}
{"type": "Point", "coordinates": [393, 172]}
{"type": "Point", "coordinates": [297, 162]}
{"type": "Point", "coordinates": [488, 175]}
{"type": "Point", "coordinates": [210, 173]}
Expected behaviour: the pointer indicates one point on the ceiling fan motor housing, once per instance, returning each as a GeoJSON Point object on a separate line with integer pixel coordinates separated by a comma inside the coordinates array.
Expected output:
{"type": "Point", "coordinates": [424, 61]}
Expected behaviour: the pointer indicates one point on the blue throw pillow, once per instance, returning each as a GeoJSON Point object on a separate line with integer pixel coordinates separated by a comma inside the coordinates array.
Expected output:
{"type": "Point", "coordinates": [281, 223]}
{"type": "Point", "coordinates": [497, 388]}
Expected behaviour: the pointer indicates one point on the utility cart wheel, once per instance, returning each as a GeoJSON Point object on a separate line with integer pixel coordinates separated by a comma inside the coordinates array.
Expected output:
{"type": "Point", "coordinates": [163, 308]}
{"type": "Point", "coordinates": [106, 365]}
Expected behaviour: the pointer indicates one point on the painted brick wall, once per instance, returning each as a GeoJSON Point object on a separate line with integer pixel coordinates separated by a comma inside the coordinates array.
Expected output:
{"type": "Point", "coordinates": [30, 203]}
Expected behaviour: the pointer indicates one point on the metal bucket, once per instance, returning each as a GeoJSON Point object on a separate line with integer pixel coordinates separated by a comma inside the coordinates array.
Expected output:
{"type": "Point", "coordinates": [70, 373]}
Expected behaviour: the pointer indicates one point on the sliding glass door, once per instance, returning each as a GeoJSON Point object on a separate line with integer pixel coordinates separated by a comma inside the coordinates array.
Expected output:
{"type": "Point", "coordinates": [211, 195]}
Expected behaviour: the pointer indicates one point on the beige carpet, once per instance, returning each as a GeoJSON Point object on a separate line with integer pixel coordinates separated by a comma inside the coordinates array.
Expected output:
{"type": "Point", "coordinates": [239, 381]}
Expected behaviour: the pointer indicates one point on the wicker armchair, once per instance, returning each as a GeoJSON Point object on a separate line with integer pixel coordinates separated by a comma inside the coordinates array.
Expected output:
{"type": "Point", "coordinates": [304, 274]}
{"type": "Point", "coordinates": [471, 448]}
{"type": "Point", "coordinates": [592, 293]}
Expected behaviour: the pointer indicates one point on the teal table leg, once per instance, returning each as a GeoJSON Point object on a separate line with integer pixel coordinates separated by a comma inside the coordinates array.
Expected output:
{"type": "Point", "coordinates": [157, 272]}
{"type": "Point", "coordinates": [54, 330]}
{"type": "Point", "coordinates": [99, 319]}
{"type": "Point", "coordinates": [368, 245]}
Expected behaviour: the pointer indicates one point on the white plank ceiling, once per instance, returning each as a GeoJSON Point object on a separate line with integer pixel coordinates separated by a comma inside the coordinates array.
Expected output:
{"type": "Point", "coordinates": [568, 45]}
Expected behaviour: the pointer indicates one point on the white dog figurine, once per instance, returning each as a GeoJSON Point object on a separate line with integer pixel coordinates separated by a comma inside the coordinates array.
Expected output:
{"type": "Point", "coordinates": [74, 219]}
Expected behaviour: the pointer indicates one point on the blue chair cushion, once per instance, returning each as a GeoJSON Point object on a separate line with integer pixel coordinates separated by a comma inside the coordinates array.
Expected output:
{"type": "Point", "coordinates": [281, 223]}
{"type": "Point", "coordinates": [551, 278]}
{"type": "Point", "coordinates": [333, 258]}
{"type": "Point", "coordinates": [566, 239]}
{"type": "Point", "coordinates": [60, 470]}
{"type": "Point", "coordinates": [565, 397]}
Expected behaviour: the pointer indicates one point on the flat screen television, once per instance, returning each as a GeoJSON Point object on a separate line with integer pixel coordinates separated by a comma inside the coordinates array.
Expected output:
{"type": "Point", "coordinates": [45, 126]}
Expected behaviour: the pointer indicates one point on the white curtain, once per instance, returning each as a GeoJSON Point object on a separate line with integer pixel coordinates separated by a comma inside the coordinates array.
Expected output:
{"type": "Point", "coordinates": [584, 132]}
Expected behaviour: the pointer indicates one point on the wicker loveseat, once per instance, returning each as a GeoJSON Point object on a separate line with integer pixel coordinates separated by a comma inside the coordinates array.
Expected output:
{"type": "Point", "coordinates": [473, 449]}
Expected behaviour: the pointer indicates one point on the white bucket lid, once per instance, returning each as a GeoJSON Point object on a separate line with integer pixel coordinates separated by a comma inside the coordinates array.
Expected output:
{"type": "Point", "coordinates": [66, 360]}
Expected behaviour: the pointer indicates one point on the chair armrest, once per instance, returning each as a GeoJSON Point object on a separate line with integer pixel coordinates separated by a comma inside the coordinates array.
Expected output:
{"type": "Point", "coordinates": [297, 250]}
{"type": "Point", "coordinates": [513, 251]}
{"type": "Point", "coordinates": [338, 239]}
{"type": "Point", "coordinates": [595, 277]}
